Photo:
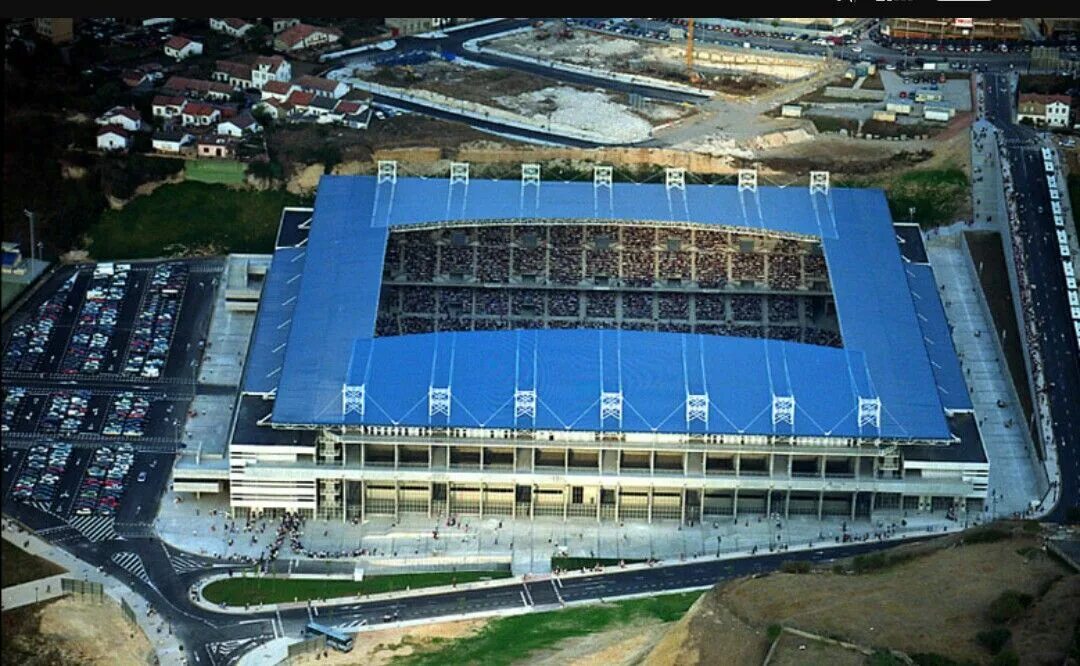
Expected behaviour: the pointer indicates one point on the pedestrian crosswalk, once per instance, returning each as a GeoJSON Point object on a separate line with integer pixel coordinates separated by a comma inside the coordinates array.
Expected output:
{"type": "Point", "coordinates": [133, 564]}
{"type": "Point", "coordinates": [96, 528]}
{"type": "Point", "coordinates": [183, 563]}
{"type": "Point", "coordinates": [351, 625]}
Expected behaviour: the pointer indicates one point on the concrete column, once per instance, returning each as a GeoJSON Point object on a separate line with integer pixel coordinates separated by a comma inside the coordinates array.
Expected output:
{"type": "Point", "coordinates": [363, 499]}
{"type": "Point", "coordinates": [344, 454]}
{"type": "Point", "coordinates": [772, 459]}
{"type": "Point", "coordinates": [430, 458]}
{"type": "Point", "coordinates": [738, 464]}
{"type": "Point", "coordinates": [565, 502]}
{"type": "Point", "coordinates": [599, 496]}
{"type": "Point", "coordinates": [854, 501]}
{"type": "Point", "coordinates": [513, 503]}
{"type": "Point", "coordinates": [649, 512]}
{"type": "Point", "coordinates": [618, 497]}
{"type": "Point", "coordinates": [735, 501]}
{"type": "Point", "coordinates": [652, 463]}
{"type": "Point", "coordinates": [566, 460]}
{"type": "Point", "coordinates": [481, 462]}
{"type": "Point", "coordinates": [449, 489]}
{"type": "Point", "coordinates": [363, 455]}
{"type": "Point", "coordinates": [532, 495]}
{"type": "Point", "coordinates": [344, 500]}
{"type": "Point", "coordinates": [682, 508]}
{"type": "Point", "coordinates": [787, 502]}
{"type": "Point", "coordinates": [790, 463]}
{"type": "Point", "coordinates": [481, 487]}
{"type": "Point", "coordinates": [397, 457]}
{"type": "Point", "coordinates": [822, 462]}
{"type": "Point", "coordinates": [768, 493]}
{"type": "Point", "coordinates": [397, 493]}
{"type": "Point", "coordinates": [873, 501]}
{"type": "Point", "coordinates": [513, 454]}
{"type": "Point", "coordinates": [430, 490]}
{"type": "Point", "coordinates": [820, 502]}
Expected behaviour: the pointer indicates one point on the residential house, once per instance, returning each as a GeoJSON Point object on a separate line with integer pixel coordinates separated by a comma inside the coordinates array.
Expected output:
{"type": "Point", "coordinates": [200, 114]}
{"type": "Point", "coordinates": [214, 90]}
{"type": "Point", "coordinates": [300, 100]}
{"type": "Point", "coordinates": [270, 68]}
{"type": "Point", "coordinates": [1045, 110]}
{"type": "Point", "coordinates": [322, 87]}
{"type": "Point", "coordinates": [180, 47]}
{"type": "Point", "coordinates": [136, 78]}
{"type": "Point", "coordinates": [171, 141]}
{"type": "Point", "coordinates": [214, 146]}
{"type": "Point", "coordinates": [113, 138]}
{"type": "Point", "coordinates": [275, 108]}
{"type": "Point", "coordinates": [122, 116]}
{"type": "Point", "coordinates": [236, 74]}
{"type": "Point", "coordinates": [239, 125]}
{"type": "Point", "coordinates": [277, 90]}
{"type": "Point", "coordinates": [303, 36]}
{"type": "Point", "coordinates": [56, 30]}
{"type": "Point", "coordinates": [279, 24]}
{"type": "Point", "coordinates": [167, 106]}
{"type": "Point", "coordinates": [233, 27]}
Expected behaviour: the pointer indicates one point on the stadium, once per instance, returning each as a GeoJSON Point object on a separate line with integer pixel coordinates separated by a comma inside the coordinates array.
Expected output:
{"type": "Point", "coordinates": [600, 350]}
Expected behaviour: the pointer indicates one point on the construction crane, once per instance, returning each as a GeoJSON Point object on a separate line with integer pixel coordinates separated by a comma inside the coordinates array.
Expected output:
{"type": "Point", "coordinates": [690, 73]}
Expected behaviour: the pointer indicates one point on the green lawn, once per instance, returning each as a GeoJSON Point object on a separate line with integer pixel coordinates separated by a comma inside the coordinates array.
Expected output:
{"type": "Point", "coordinates": [239, 591]}
{"type": "Point", "coordinates": [20, 566]}
{"type": "Point", "coordinates": [229, 172]}
{"type": "Point", "coordinates": [513, 639]}
{"type": "Point", "coordinates": [188, 217]}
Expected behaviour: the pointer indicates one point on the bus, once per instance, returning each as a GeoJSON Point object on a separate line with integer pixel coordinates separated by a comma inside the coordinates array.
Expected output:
{"type": "Point", "coordinates": [338, 640]}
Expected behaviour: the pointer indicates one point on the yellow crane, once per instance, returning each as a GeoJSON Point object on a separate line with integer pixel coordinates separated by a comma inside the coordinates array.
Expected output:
{"type": "Point", "coordinates": [690, 73]}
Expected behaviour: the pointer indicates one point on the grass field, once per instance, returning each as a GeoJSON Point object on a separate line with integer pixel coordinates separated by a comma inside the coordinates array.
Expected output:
{"type": "Point", "coordinates": [19, 566]}
{"type": "Point", "coordinates": [227, 172]}
{"type": "Point", "coordinates": [189, 218]}
{"type": "Point", "coordinates": [570, 563]}
{"type": "Point", "coordinates": [511, 639]}
{"type": "Point", "coordinates": [240, 591]}
{"type": "Point", "coordinates": [939, 196]}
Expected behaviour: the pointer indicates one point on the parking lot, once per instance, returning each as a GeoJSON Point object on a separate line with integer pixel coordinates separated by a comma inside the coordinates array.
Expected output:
{"type": "Point", "coordinates": [99, 376]}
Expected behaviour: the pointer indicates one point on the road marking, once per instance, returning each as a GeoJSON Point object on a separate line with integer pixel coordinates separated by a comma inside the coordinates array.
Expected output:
{"type": "Point", "coordinates": [557, 595]}
{"type": "Point", "coordinates": [525, 603]}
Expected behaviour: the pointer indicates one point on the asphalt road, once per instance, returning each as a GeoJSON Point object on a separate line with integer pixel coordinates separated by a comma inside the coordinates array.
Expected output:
{"type": "Point", "coordinates": [1061, 358]}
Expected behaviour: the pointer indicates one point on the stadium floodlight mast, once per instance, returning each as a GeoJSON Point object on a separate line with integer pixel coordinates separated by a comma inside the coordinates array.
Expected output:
{"type": "Point", "coordinates": [748, 180]}
{"type": "Point", "coordinates": [602, 176]}
{"type": "Point", "coordinates": [611, 403]}
{"type": "Point", "coordinates": [459, 173]}
{"type": "Point", "coordinates": [530, 174]}
{"type": "Point", "coordinates": [783, 410]}
{"type": "Point", "coordinates": [387, 172]}
{"type": "Point", "coordinates": [697, 408]}
{"type": "Point", "coordinates": [675, 178]}
{"type": "Point", "coordinates": [438, 401]}
{"type": "Point", "coordinates": [819, 182]}
{"type": "Point", "coordinates": [525, 403]}
{"type": "Point", "coordinates": [870, 412]}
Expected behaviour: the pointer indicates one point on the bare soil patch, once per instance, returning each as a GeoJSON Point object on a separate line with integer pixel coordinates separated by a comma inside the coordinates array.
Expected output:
{"type": "Point", "coordinates": [377, 648]}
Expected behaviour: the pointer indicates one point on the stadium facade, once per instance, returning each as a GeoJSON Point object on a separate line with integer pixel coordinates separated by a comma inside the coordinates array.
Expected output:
{"type": "Point", "coordinates": [605, 350]}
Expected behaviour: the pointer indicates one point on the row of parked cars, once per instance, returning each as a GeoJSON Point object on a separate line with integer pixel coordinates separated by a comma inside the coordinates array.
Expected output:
{"type": "Point", "coordinates": [44, 466]}
{"type": "Point", "coordinates": [97, 320]}
{"type": "Point", "coordinates": [154, 325]}
{"type": "Point", "coordinates": [65, 413]}
{"type": "Point", "coordinates": [103, 486]}
{"type": "Point", "coordinates": [128, 416]}
{"type": "Point", "coordinates": [13, 398]}
{"type": "Point", "coordinates": [29, 340]}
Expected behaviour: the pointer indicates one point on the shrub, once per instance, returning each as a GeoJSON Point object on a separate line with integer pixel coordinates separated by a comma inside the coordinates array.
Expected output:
{"type": "Point", "coordinates": [985, 535]}
{"type": "Point", "coordinates": [773, 632]}
{"type": "Point", "coordinates": [1031, 526]}
{"type": "Point", "coordinates": [1009, 605]}
{"type": "Point", "coordinates": [795, 567]}
{"type": "Point", "coordinates": [994, 639]}
{"type": "Point", "coordinates": [1006, 658]}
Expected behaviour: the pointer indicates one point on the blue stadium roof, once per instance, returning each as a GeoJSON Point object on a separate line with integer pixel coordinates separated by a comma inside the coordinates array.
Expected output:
{"type": "Point", "coordinates": [331, 343]}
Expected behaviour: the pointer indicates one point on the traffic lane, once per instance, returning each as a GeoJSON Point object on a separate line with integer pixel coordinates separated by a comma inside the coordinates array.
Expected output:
{"type": "Point", "coordinates": [193, 322]}
{"type": "Point", "coordinates": [140, 501]}
{"type": "Point", "coordinates": [13, 460]}
{"type": "Point", "coordinates": [67, 490]}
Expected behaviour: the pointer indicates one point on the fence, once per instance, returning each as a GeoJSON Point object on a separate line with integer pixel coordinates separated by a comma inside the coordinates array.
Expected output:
{"type": "Point", "coordinates": [311, 646]}
{"type": "Point", "coordinates": [129, 612]}
{"type": "Point", "coordinates": [85, 590]}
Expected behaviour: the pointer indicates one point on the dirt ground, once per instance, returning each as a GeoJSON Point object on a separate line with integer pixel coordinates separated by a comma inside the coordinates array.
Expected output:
{"type": "Point", "coordinates": [71, 632]}
{"type": "Point", "coordinates": [936, 602]}
{"type": "Point", "coordinates": [624, 646]}
{"type": "Point", "coordinates": [377, 648]}
{"type": "Point", "coordinates": [792, 650]}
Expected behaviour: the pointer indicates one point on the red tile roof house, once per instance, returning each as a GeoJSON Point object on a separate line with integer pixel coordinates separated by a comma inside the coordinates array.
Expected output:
{"type": "Point", "coordinates": [181, 47]}
{"type": "Point", "coordinates": [277, 90]}
{"type": "Point", "coordinates": [234, 27]}
{"type": "Point", "coordinates": [125, 117]}
{"type": "Point", "coordinates": [167, 106]}
{"type": "Point", "coordinates": [304, 36]}
{"type": "Point", "coordinates": [113, 138]}
{"type": "Point", "coordinates": [239, 125]}
{"type": "Point", "coordinates": [270, 68]}
{"type": "Point", "coordinates": [214, 146]}
{"type": "Point", "coordinates": [199, 88]}
{"type": "Point", "coordinates": [200, 114]}
{"type": "Point", "coordinates": [322, 87]}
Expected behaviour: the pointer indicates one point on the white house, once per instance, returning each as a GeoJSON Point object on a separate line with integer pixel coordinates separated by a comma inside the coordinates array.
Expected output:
{"type": "Point", "coordinates": [171, 141]}
{"type": "Point", "coordinates": [277, 90]}
{"type": "Point", "coordinates": [1057, 114]}
{"type": "Point", "coordinates": [322, 87]}
{"type": "Point", "coordinates": [270, 68]}
{"type": "Point", "coordinates": [200, 114]}
{"type": "Point", "coordinates": [181, 47]}
{"type": "Point", "coordinates": [233, 27]}
{"type": "Point", "coordinates": [280, 24]}
{"type": "Point", "coordinates": [167, 106]}
{"type": "Point", "coordinates": [1048, 110]}
{"type": "Point", "coordinates": [122, 116]}
{"type": "Point", "coordinates": [239, 125]}
{"type": "Point", "coordinates": [113, 138]}
{"type": "Point", "coordinates": [303, 36]}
